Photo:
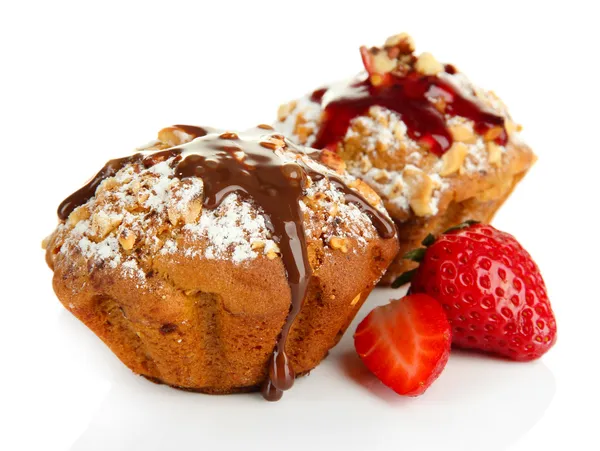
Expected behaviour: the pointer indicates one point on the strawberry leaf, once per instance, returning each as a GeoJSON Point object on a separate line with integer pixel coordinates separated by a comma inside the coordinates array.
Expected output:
{"type": "Point", "coordinates": [462, 225]}
{"type": "Point", "coordinates": [416, 255]}
{"type": "Point", "coordinates": [429, 240]}
{"type": "Point", "coordinates": [403, 279]}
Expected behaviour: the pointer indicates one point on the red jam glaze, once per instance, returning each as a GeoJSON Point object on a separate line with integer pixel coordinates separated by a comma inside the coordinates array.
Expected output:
{"type": "Point", "coordinates": [407, 96]}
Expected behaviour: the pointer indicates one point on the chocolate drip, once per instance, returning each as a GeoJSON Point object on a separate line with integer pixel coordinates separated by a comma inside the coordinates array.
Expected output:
{"type": "Point", "coordinates": [409, 97]}
{"type": "Point", "coordinates": [249, 166]}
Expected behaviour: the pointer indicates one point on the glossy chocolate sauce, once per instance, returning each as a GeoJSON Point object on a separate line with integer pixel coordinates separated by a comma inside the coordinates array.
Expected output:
{"type": "Point", "coordinates": [248, 165]}
{"type": "Point", "coordinates": [409, 97]}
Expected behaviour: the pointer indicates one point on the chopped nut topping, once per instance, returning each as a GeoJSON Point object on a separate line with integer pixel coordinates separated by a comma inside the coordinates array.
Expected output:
{"type": "Point", "coordinates": [285, 110]}
{"type": "Point", "coordinates": [462, 133]}
{"type": "Point", "coordinates": [333, 161]}
{"type": "Point", "coordinates": [172, 136]}
{"type": "Point", "coordinates": [494, 153]}
{"type": "Point", "coordinates": [256, 245]}
{"type": "Point", "coordinates": [493, 133]}
{"type": "Point", "coordinates": [337, 243]}
{"type": "Point", "coordinates": [102, 224]}
{"type": "Point", "coordinates": [229, 135]}
{"type": "Point", "coordinates": [420, 191]}
{"type": "Point", "coordinates": [382, 63]}
{"type": "Point", "coordinates": [382, 176]}
{"type": "Point", "coordinates": [427, 65]}
{"type": "Point", "coordinates": [127, 239]}
{"type": "Point", "coordinates": [453, 159]}
{"type": "Point", "coordinates": [355, 300]}
{"type": "Point", "coordinates": [403, 40]}
{"type": "Point", "coordinates": [193, 211]}
{"type": "Point", "coordinates": [79, 214]}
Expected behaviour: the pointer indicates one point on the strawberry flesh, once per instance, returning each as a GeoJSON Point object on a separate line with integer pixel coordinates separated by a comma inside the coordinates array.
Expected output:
{"type": "Point", "coordinates": [406, 343]}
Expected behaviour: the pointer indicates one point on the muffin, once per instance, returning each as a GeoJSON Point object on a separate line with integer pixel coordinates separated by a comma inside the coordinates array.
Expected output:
{"type": "Point", "coordinates": [220, 262]}
{"type": "Point", "coordinates": [436, 148]}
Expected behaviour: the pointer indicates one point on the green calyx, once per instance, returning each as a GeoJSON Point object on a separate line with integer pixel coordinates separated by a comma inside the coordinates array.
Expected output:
{"type": "Point", "coordinates": [417, 255]}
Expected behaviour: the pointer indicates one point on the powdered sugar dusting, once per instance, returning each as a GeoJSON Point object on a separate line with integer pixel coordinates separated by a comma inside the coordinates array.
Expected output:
{"type": "Point", "coordinates": [143, 213]}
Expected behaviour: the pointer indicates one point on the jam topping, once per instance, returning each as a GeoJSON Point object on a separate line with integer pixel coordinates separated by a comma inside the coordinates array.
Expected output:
{"type": "Point", "coordinates": [411, 95]}
{"type": "Point", "coordinates": [248, 164]}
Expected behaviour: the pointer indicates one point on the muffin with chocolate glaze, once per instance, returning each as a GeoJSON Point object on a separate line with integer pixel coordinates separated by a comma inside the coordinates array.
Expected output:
{"type": "Point", "coordinates": [436, 148]}
{"type": "Point", "coordinates": [220, 262]}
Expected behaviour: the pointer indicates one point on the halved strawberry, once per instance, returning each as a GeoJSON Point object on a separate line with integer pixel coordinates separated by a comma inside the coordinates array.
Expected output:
{"type": "Point", "coordinates": [405, 343]}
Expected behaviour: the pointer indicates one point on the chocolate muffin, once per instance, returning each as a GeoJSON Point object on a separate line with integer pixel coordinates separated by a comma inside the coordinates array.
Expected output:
{"type": "Point", "coordinates": [437, 149]}
{"type": "Point", "coordinates": [220, 262]}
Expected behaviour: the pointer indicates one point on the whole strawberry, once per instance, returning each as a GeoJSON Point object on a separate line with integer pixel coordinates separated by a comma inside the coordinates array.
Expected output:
{"type": "Point", "coordinates": [491, 289]}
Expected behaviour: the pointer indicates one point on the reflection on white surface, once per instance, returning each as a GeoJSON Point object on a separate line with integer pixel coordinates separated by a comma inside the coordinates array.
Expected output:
{"type": "Point", "coordinates": [478, 403]}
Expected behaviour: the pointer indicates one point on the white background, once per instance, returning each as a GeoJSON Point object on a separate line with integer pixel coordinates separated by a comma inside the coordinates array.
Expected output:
{"type": "Point", "coordinates": [81, 82]}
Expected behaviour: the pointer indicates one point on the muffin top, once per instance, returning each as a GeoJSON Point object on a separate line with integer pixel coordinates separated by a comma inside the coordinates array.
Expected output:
{"type": "Point", "coordinates": [225, 193]}
{"type": "Point", "coordinates": [416, 130]}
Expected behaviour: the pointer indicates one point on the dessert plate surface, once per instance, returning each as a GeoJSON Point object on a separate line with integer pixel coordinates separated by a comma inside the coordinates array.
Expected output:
{"type": "Point", "coordinates": [340, 405]}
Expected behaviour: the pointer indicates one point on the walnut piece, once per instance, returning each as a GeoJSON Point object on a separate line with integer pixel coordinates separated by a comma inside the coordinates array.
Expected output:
{"type": "Point", "coordinates": [403, 40]}
{"type": "Point", "coordinates": [285, 110]}
{"type": "Point", "coordinates": [333, 161]}
{"type": "Point", "coordinates": [462, 133]}
{"type": "Point", "coordinates": [453, 158]}
{"type": "Point", "coordinates": [494, 153]}
{"type": "Point", "coordinates": [338, 243]}
{"type": "Point", "coordinates": [427, 65]}
{"type": "Point", "coordinates": [420, 187]}
{"type": "Point", "coordinates": [127, 239]}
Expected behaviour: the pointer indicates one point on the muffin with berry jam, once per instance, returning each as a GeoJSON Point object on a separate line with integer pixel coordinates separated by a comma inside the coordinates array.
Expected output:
{"type": "Point", "coordinates": [436, 148]}
{"type": "Point", "coordinates": [218, 261]}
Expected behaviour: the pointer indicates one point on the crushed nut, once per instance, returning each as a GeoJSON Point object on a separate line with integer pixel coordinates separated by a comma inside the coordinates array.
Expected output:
{"type": "Point", "coordinates": [453, 158]}
{"type": "Point", "coordinates": [427, 65]}
{"type": "Point", "coordinates": [333, 211]}
{"type": "Point", "coordinates": [285, 110]}
{"type": "Point", "coordinates": [355, 300]}
{"type": "Point", "coordinates": [193, 211]}
{"type": "Point", "coordinates": [127, 239]}
{"type": "Point", "coordinates": [382, 176]}
{"type": "Point", "coordinates": [79, 214]}
{"type": "Point", "coordinates": [333, 161]}
{"type": "Point", "coordinates": [173, 136]}
{"type": "Point", "coordinates": [365, 164]}
{"type": "Point", "coordinates": [366, 191]}
{"type": "Point", "coordinates": [272, 251]}
{"type": "Point", "coordinates": [493, 133]}
{"type": "Point", "coordinates": [462, 133]}
{"type": "Point", "coordinates": [338, 243]}
{"type": "Point", "coordinates": [403, 40]}
{"type": "Point", "coordinates": [494, 153]}
{"type": "Point", "coordinates": [420, 187]}
{"type": "Point", "coordinates": [256, 245]}
{"type": "Point", "coordinates": [396, 190]}
{"type": "Point", "coordinates": [102, 224]}
{"type": "Point", "coordinates": [303, 129]}
{"type": "Point", "coordinates": [382, 63]}
{"type": "Point", "coordinates": [511, 127]}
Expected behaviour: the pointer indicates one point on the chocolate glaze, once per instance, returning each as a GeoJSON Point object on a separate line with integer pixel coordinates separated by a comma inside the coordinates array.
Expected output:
{"type": "Point", "coordinates": [408, 96]}
{"type": "Point", "coordinates": [248, 165]}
